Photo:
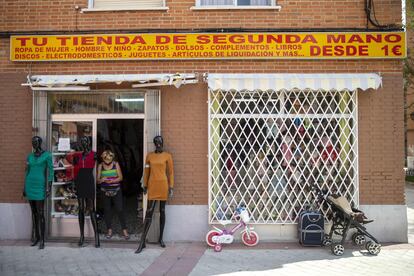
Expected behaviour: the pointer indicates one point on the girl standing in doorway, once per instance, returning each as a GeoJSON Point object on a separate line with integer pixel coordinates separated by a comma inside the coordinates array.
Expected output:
{"type": "Point", "coordinates": [110, 176]}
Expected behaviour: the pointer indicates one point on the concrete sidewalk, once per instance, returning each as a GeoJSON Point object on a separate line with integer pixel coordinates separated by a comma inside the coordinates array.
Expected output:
{"type": "Point", "coordinates": [18, 258]}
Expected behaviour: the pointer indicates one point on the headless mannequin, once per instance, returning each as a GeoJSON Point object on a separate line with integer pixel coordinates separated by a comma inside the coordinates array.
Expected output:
{"type": "Point", "coordinates": [37, 206]}
{"type": "Point", "coordinates": [87, 203]}
{"type": "Point", "coordinates": [158, 142]}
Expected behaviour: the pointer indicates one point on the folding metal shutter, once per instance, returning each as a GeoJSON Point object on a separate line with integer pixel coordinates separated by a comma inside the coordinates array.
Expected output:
{"type": "Point", "coordinates": [152, 117]}
{"type": "Point", "coordinates": [40, 115]}
{"type": "Point", "coordinates": [119, 4]}
{"type": "Point", "coordinates": [152, 129]}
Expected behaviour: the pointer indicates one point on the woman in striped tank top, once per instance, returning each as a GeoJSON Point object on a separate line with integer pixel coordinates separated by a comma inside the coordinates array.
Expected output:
{"type": "Point", "coordinates": [110, 176]}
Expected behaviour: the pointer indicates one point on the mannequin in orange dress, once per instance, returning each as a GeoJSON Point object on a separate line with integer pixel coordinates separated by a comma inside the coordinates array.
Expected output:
{"type": "Point", "coordinates": [158, 183]}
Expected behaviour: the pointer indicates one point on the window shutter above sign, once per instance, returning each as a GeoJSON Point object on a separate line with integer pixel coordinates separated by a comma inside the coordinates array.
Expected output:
{"type": "Point", "coordinates": [125, 4]}
{"type": "Point", "coordinates": [235, 2]}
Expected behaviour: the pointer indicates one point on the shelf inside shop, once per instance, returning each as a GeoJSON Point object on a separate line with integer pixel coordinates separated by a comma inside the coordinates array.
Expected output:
{"type": "Point", "coordinates": [62, 168]}
{"type": "Point", "coordinates": [61, 183]}
{"type": "Point", "coordinates": [64, 215]}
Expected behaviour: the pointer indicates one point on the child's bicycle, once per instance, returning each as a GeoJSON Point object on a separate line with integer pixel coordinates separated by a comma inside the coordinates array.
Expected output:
{"type": "Point", "coordinates": [215, 238]}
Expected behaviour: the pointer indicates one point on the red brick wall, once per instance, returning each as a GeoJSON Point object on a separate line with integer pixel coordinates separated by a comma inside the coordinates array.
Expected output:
{"type": "Point", "coordinates": [184, 111]}
{"type": "Point", "coordinates": [381, 143]}
{"type": "Point", "coordinates": [61, 15]}
{"type": "Point", "coordinates": [16, 132]}
{"type": "Point", "coordinates": [184, 127]}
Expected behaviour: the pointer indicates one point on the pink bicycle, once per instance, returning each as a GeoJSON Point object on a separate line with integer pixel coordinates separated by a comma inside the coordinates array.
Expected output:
{"type": "Point", "coordinates": [215, 238]}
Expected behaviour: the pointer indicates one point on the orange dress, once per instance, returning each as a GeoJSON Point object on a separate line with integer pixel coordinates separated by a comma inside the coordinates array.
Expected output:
{"type": "Point", "coordinates": [158, 175]}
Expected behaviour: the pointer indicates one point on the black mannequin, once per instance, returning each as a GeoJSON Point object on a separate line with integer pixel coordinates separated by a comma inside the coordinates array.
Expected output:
{"type": "Point", "coordinates": [86, 201]}
{"type": "Point", "coordinates": [34, 188]}
{"type": "Point", "coordinates": [158, 142]}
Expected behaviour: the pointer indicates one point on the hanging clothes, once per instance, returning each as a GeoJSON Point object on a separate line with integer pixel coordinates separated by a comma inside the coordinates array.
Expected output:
{"type": "Point", "coordinates": [158, 175]}
{"type": "Point", "coordinates": [35, 180]}
{"type": "Point", "coordinates": [83, 165]}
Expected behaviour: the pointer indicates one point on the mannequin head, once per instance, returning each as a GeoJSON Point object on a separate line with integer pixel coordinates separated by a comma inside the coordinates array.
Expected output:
{"type": "Point", "coordinates": [85, 143]}
{"type": "Point", "coordinates": [36, 143]}
{"type": "Point", "coordinates": [159, 143]}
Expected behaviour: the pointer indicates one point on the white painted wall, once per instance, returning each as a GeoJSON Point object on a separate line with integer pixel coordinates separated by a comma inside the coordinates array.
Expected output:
{"type": "Point", "coordinates": [189, 223]}
{"type": "Point", "coordinates": [186, 222]}
{"type": "Point", "coordinates": [15, 221]}
{"type": "Point", "coordinates": [390, 223]}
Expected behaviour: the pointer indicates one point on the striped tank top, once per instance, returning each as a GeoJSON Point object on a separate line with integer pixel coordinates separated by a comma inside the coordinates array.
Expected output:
{"type": "Point", "coordinates": [109, 174]}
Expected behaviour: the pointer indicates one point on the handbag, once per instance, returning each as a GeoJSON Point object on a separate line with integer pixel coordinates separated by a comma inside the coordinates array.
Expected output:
{"type": "Point", "coordinates": [110, 192]}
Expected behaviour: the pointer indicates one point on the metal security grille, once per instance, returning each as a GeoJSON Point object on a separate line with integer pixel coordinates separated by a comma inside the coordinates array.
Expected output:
{"type": "Point", "coordinates": [267, 147]}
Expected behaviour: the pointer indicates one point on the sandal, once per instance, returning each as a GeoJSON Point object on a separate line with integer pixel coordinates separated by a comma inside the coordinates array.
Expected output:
{"type": "Point", "coordinates": [125, 235]}
{"type": "Point", "coordinates": [108, 235]}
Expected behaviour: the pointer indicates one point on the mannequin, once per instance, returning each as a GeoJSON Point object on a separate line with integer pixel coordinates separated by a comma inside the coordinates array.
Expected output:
{"type": "Point", "coordinates": [34, 187]}
{"type": "Point", "coordinates": [159, 183]}
{"type": "Point", "coordinates": [84, 163]}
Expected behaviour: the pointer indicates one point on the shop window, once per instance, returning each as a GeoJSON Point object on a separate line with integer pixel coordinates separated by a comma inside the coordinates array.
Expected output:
{"type": "Point", "coordinates": [125, 4]}
{"type": "Point", "coordinates": [266, 149]}
{"type": "Point", "coordinates": [86, 103]}
{"type": "Point", "coordinates": [235, 3]}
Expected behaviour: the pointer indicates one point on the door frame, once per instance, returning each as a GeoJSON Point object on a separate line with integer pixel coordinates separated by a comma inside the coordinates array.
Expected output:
{"type": "Point", "coordinates": [94, 119]}
{"type": "Point", "coordinates": [70, 117]}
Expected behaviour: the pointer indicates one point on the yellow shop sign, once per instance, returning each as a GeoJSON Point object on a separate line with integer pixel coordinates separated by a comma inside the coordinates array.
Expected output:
{"type": "Point", "coordinates": [173, 46]}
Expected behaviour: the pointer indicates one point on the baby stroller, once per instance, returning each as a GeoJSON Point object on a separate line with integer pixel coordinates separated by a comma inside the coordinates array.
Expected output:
{"type": "Point", "coordinates": [345, 217]}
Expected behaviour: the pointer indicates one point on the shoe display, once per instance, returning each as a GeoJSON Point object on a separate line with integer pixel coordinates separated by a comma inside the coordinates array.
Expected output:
{"type": "Point", "coordinates": [63, 190]}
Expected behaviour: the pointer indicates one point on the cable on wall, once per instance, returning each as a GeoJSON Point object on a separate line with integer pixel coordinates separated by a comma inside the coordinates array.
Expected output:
{"type": "Point", "coordinates": [371, 17]}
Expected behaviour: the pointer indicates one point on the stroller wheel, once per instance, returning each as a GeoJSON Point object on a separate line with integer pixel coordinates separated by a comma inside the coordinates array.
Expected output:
{"type": "Point", "coordinates": [337, 249]}
{"type": "Point", "coordinates": [373, 248]}
{"type": "Point", "coordinates": [326, 241]}
{"type": "Point", "coordinates": [358, 239]}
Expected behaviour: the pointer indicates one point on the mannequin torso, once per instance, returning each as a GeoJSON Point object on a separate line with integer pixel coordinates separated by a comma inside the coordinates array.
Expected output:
{"type": "Point", "coordinates": [37, 163]}
{"type": "Point", "coordinates": [159, 179]}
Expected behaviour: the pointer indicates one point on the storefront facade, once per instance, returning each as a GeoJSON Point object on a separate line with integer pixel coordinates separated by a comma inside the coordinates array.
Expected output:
{"type": "Point", "coordinates": [251, 130]}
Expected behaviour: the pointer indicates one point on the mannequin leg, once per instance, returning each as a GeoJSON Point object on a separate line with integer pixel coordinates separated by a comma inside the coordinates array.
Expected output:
{"type": "Point", "coordinates": [92, 212]}
{"type": "Point", "coordinates": [81, 218]}
{"type": "Point", "coordinates": [33, 237]}
{"type": "Point", "coordinates": [35, 224]}
{"type": "Point", "coordinates": [148, 220]}
{"type": "Point", "coordinates": [41, 221]}
{"type": "Point", "coordinates": [162, 222]}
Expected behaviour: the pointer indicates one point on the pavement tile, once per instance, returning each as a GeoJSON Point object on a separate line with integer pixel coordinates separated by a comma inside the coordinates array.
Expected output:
{"type": "Point", "coordinates": [196, 259]}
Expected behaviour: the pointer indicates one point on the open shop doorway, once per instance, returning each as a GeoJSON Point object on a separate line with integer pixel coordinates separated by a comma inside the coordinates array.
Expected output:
{"type": "Point", "coordinates": [125, 138]}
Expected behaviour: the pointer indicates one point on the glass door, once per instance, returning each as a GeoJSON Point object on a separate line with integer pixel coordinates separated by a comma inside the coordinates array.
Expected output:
{"type": "Point", "coordinates": [65, 140]}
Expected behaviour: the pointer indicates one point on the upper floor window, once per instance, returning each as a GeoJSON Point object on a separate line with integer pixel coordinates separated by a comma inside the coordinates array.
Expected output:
{"type": "Point", "coordinates": [126, 5]}
{"type": "Point", "coordinates": [235, 3]}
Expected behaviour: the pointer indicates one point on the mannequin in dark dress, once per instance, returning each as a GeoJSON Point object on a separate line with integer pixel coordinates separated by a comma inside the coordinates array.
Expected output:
{"type": "Point", "coordinates": [34, 189]}
{"type": "Point", "coordinates": [158, 183]}
{"type": "Point", "coordinates": [84, 164]}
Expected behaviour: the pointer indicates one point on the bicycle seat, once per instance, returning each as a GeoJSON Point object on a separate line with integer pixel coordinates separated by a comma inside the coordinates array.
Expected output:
{"type": "Point", "coordinates": [224, 222]}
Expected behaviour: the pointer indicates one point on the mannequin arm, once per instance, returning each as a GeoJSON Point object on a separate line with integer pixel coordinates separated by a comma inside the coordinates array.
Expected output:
{"type": "Point", "coordinates": [147, 171]}
{"type": "Point", "coordinates": [27, 172]}
{"type": "Point", "coordinates": [50, 168]}
{"type": "Point", "coordinates": [48, 188]}
{"type": "Point", "coordinates": [170, 166]}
